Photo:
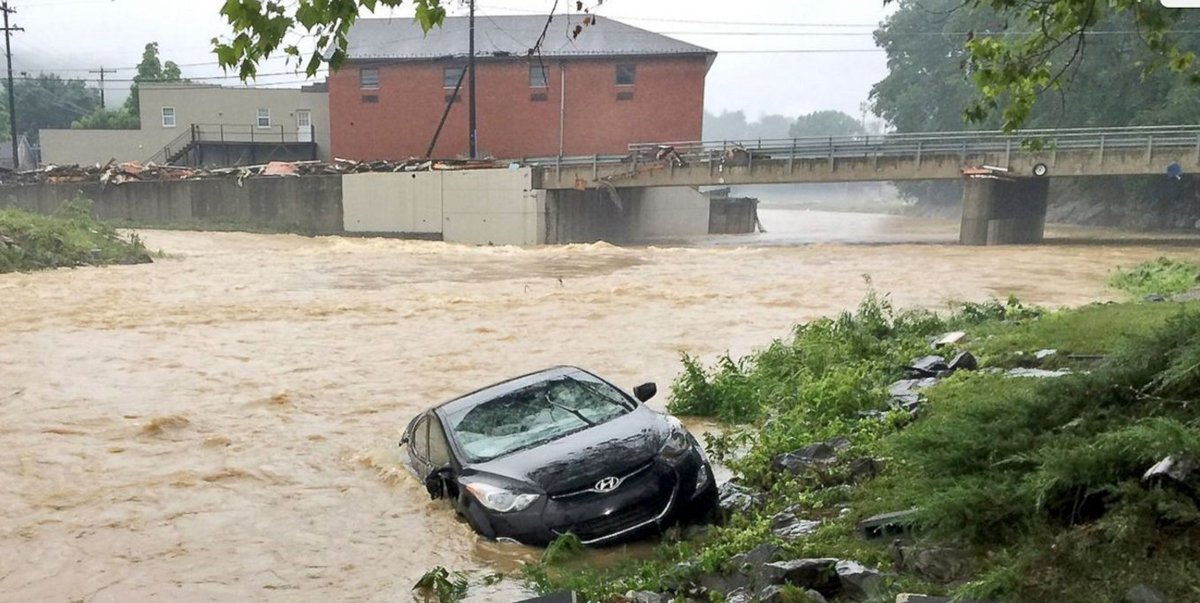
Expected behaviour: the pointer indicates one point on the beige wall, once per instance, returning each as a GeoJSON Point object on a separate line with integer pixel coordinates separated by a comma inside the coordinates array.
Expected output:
{"type": "Point", "coordinates": [193, 104]}
{"type": "Point", "coordinates": [474, 207]}
{"type": "Point", "coordinates": [677, 211]}
{"type": "Point", "coordinates": [85, 147]}
{"type": "Point", "coordinates": [492, 207]}
{"type": "Point", "coordinates": [389, 203]}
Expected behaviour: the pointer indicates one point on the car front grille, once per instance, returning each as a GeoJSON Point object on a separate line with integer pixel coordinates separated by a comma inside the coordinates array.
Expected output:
{"type": "Point", "coordinates": [617, 521]}
{"type": "Point", "coordinates": [629, 479]}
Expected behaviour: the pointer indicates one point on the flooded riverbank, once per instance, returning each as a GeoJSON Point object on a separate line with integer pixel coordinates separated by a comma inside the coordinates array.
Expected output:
{"type": "Point", "coordinates": [222, 424]}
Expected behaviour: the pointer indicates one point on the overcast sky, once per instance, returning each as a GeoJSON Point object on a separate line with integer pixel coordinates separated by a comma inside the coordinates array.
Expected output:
{"type": "Point", "coordinates": [790, 57]}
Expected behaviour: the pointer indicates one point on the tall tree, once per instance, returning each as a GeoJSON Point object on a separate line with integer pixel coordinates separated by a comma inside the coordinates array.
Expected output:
{"type": "Point", "coordinates": [128, 116]}
{"type": "Point", "coordinates": [47, 101]}
{"type": "Point", "coordinates": [151, 69]}
{"type": "Point", "coordinates": [826, 123]}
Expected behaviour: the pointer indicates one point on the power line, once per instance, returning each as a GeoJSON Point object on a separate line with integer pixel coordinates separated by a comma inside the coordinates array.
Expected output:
{"type": "Point", "coordinates": [102, 71]}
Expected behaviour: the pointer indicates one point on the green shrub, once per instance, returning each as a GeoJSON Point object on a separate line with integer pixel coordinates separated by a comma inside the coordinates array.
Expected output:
{"type": "Point", "coordinates": [1163, 276]}
{"type": "Point", "coordinates": [70, 237]}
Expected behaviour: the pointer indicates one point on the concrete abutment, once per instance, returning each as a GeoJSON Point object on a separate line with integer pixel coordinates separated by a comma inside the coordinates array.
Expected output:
{"type": "Point", "coordinates": [998, 211]}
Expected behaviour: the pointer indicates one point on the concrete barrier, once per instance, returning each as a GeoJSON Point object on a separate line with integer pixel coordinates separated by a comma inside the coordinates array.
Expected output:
{"type": "Point", "coordinates": [474, 207]}
{"type": "Point", "coordinates": [311, 205]}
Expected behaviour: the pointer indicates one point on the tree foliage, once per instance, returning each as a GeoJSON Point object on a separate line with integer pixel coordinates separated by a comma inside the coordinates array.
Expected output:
{"type": "Point", "coordinates": [826, 123]}
{"type": "Point", "coordinates": [128, 116]}
{"type": "Point", "coordinates": [1015, 53]}
{"type": "Point", "coordinates": [47, 101]}
{"type": "Point", "coordinates": [151, 69]}
{"type": "Point", "coordinates": [261, 29]}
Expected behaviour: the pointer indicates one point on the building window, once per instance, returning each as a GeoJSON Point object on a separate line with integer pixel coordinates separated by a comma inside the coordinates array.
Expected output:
{"type": "Point", "coordinates": [626, 74]}
{"type": "Point", "coordinates": [450, 76]}
{"type": "Point", "coordinates": [368, 79]}
{"type": "Point", "coordinates": [168, 117]}
{"type": "Point", "coordinates": [264, 118]}
{"type": "Point", "coordinates": [537, 76]}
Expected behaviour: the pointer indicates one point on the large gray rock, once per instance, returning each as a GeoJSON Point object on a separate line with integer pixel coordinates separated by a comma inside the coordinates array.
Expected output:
{"type": "Point", "coordinates": [1144, 594]}
{"type": "Point", "coordinates": [747, 571]}
{"type": "Point", "coordinates": [775, 593]}
{"type": "Point", "coordinates": [928, 366]}
{"type": "Point", "coordinates": [817, 574]}
{"type": "Point", "coordinates": [859, 582]}
{"type": "Point", "coordinates": [791, 528]}
{"type": "Point", "coordinates": [741, 595]}
{"type": "Point", "coordinates": [643, 596]}
{"type": "Point", "coordinates": [814, 457]}
{"type": "Point", "coordinates": [963, 361]}
{"type": "Point", "coordinates": [913, 598]}
{"type": "Point", "coordinates": [735, 498]}
{"type": "Point", "coordinates": [935, 563]}
{"type": "Point", "coordinates": [1037, 373]}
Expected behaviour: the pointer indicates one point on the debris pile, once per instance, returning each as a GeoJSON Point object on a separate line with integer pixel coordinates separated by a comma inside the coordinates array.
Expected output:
{"type": "Point", "coordinates": [129, 171]}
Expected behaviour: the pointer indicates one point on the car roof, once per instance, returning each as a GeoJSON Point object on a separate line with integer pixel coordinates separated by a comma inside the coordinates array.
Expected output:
{"type": "Point", "coordinates": [497, 390]}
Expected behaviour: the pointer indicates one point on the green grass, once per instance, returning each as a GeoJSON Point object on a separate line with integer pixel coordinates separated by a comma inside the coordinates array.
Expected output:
{"type": "Point", "coordinates": [1162, 276]}
{"type": "Point", "coordinates": [1036, 482]}
{"type": "Point", "coordinates": [70, 237]}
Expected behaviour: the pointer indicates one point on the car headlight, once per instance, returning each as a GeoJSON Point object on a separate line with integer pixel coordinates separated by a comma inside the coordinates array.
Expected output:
{"type": "Point", "coordinates": [499, 499]}
{"type": "Point", "coordinates": [677, 443]}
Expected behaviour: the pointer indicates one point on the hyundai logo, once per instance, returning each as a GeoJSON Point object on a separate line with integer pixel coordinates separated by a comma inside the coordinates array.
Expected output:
{"type": "Point", "coordinates": [607, 484]}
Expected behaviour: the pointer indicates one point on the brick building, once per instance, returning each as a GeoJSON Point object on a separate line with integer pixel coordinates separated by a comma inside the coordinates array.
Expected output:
{"type": "Point", "coordinates": [612, 85]}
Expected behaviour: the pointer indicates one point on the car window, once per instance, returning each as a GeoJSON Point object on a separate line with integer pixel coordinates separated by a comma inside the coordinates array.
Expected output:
{"type": "Point", "coordinates": [534, 415]}
{"type": "Point", "coordinates": [418, 444]}
{"type": "Point", "coordinates": [439, 448]}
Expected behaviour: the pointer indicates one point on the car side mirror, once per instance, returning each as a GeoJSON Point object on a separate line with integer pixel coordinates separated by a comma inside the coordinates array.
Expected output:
{"type": "Point", "coordinates": [645, 391]}
{"type": "Point", "coordinates": [435, 482]}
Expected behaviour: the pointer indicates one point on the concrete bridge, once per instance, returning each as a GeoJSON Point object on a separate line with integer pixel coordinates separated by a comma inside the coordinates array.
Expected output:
{"type": "Point", "coordinates": [1004, 198]}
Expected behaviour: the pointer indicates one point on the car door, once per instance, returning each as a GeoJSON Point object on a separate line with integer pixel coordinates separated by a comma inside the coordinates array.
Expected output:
{"type": "Point", "coordinates": [418, 446]}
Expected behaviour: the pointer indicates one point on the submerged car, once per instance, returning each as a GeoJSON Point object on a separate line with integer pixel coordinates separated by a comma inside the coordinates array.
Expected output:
{"type": "Point", "coordinates": [557, 451]}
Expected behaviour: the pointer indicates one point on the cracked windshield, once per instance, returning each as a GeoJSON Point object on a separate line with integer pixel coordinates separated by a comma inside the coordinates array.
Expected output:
{"type": "Point", "coordinates": [879, 301]}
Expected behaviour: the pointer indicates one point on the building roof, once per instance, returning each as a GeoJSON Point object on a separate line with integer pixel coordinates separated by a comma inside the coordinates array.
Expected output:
{"type": "Point", "coordinates": [402, 39]}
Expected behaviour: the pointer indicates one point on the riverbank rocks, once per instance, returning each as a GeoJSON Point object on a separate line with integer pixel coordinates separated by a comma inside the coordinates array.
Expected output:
{"type": "Point", "coordinates": [817, 574]}
{"type": "Point", "coordinates": [1037, 373]}
{"type": "Point", "coordinates": [788, 526]}
{"type": "Point", "coordinates": [736, 498]}
{"type": "Point", "coordinates": [935, 563]}
{"type": "Point", "coordinates": [859, 583]}
{"type": "Point", "coordinates": [814, 457]}
{"type": "Point", "coordinates": [643, 596]}
{"type": "Point", "coordinates": [1144, 594]}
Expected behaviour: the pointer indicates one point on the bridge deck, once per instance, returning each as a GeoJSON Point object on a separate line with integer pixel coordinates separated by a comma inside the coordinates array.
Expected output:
{"type": "Point", "coordinates": [891, 157]}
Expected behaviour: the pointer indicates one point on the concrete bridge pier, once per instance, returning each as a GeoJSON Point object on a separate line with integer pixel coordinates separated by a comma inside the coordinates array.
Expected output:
{"type": "Point", "coordinates": [1001, 211]}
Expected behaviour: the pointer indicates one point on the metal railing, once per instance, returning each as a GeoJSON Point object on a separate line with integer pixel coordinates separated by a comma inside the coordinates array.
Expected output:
{"type": "Point", "coordinates": [228, 134]}
{"type": "Point", "coordinates": [1150, 139]}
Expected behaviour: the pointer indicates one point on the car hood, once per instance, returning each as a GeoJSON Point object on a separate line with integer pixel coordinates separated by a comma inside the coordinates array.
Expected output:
{"type": "Point", "coordinates": [578, 461]}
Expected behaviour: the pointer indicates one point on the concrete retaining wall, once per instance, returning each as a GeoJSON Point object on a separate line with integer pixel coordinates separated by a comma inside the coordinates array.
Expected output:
{"type": "Point", "coordinates": [310, 205]}
{"type": "Point", "coordinates": [474, 207]}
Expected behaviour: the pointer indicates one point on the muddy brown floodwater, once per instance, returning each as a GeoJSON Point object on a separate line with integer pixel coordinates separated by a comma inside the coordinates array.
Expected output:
{"type": "Point", "coordinates": [221, 425]}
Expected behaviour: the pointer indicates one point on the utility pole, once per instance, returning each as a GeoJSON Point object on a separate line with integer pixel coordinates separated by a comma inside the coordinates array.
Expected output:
{"type": "Point", "coordinates": [12, 104]}
{"type": "Point", "coordinates": [471, 80]}
{"type": "Point", "coordinates": [102, 71]}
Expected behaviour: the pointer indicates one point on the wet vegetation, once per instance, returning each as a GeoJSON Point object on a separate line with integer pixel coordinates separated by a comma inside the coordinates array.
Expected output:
{"type": "Point", "coordinates": [69, 237]}
{"type": "Point", "coordinates": [1028, 489]}
{"type": "Point", "coordinates": [1162, 276]}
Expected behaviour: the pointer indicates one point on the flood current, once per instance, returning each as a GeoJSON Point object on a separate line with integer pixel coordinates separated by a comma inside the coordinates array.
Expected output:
{"type": "Point", "coordinates": [221, 425]}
